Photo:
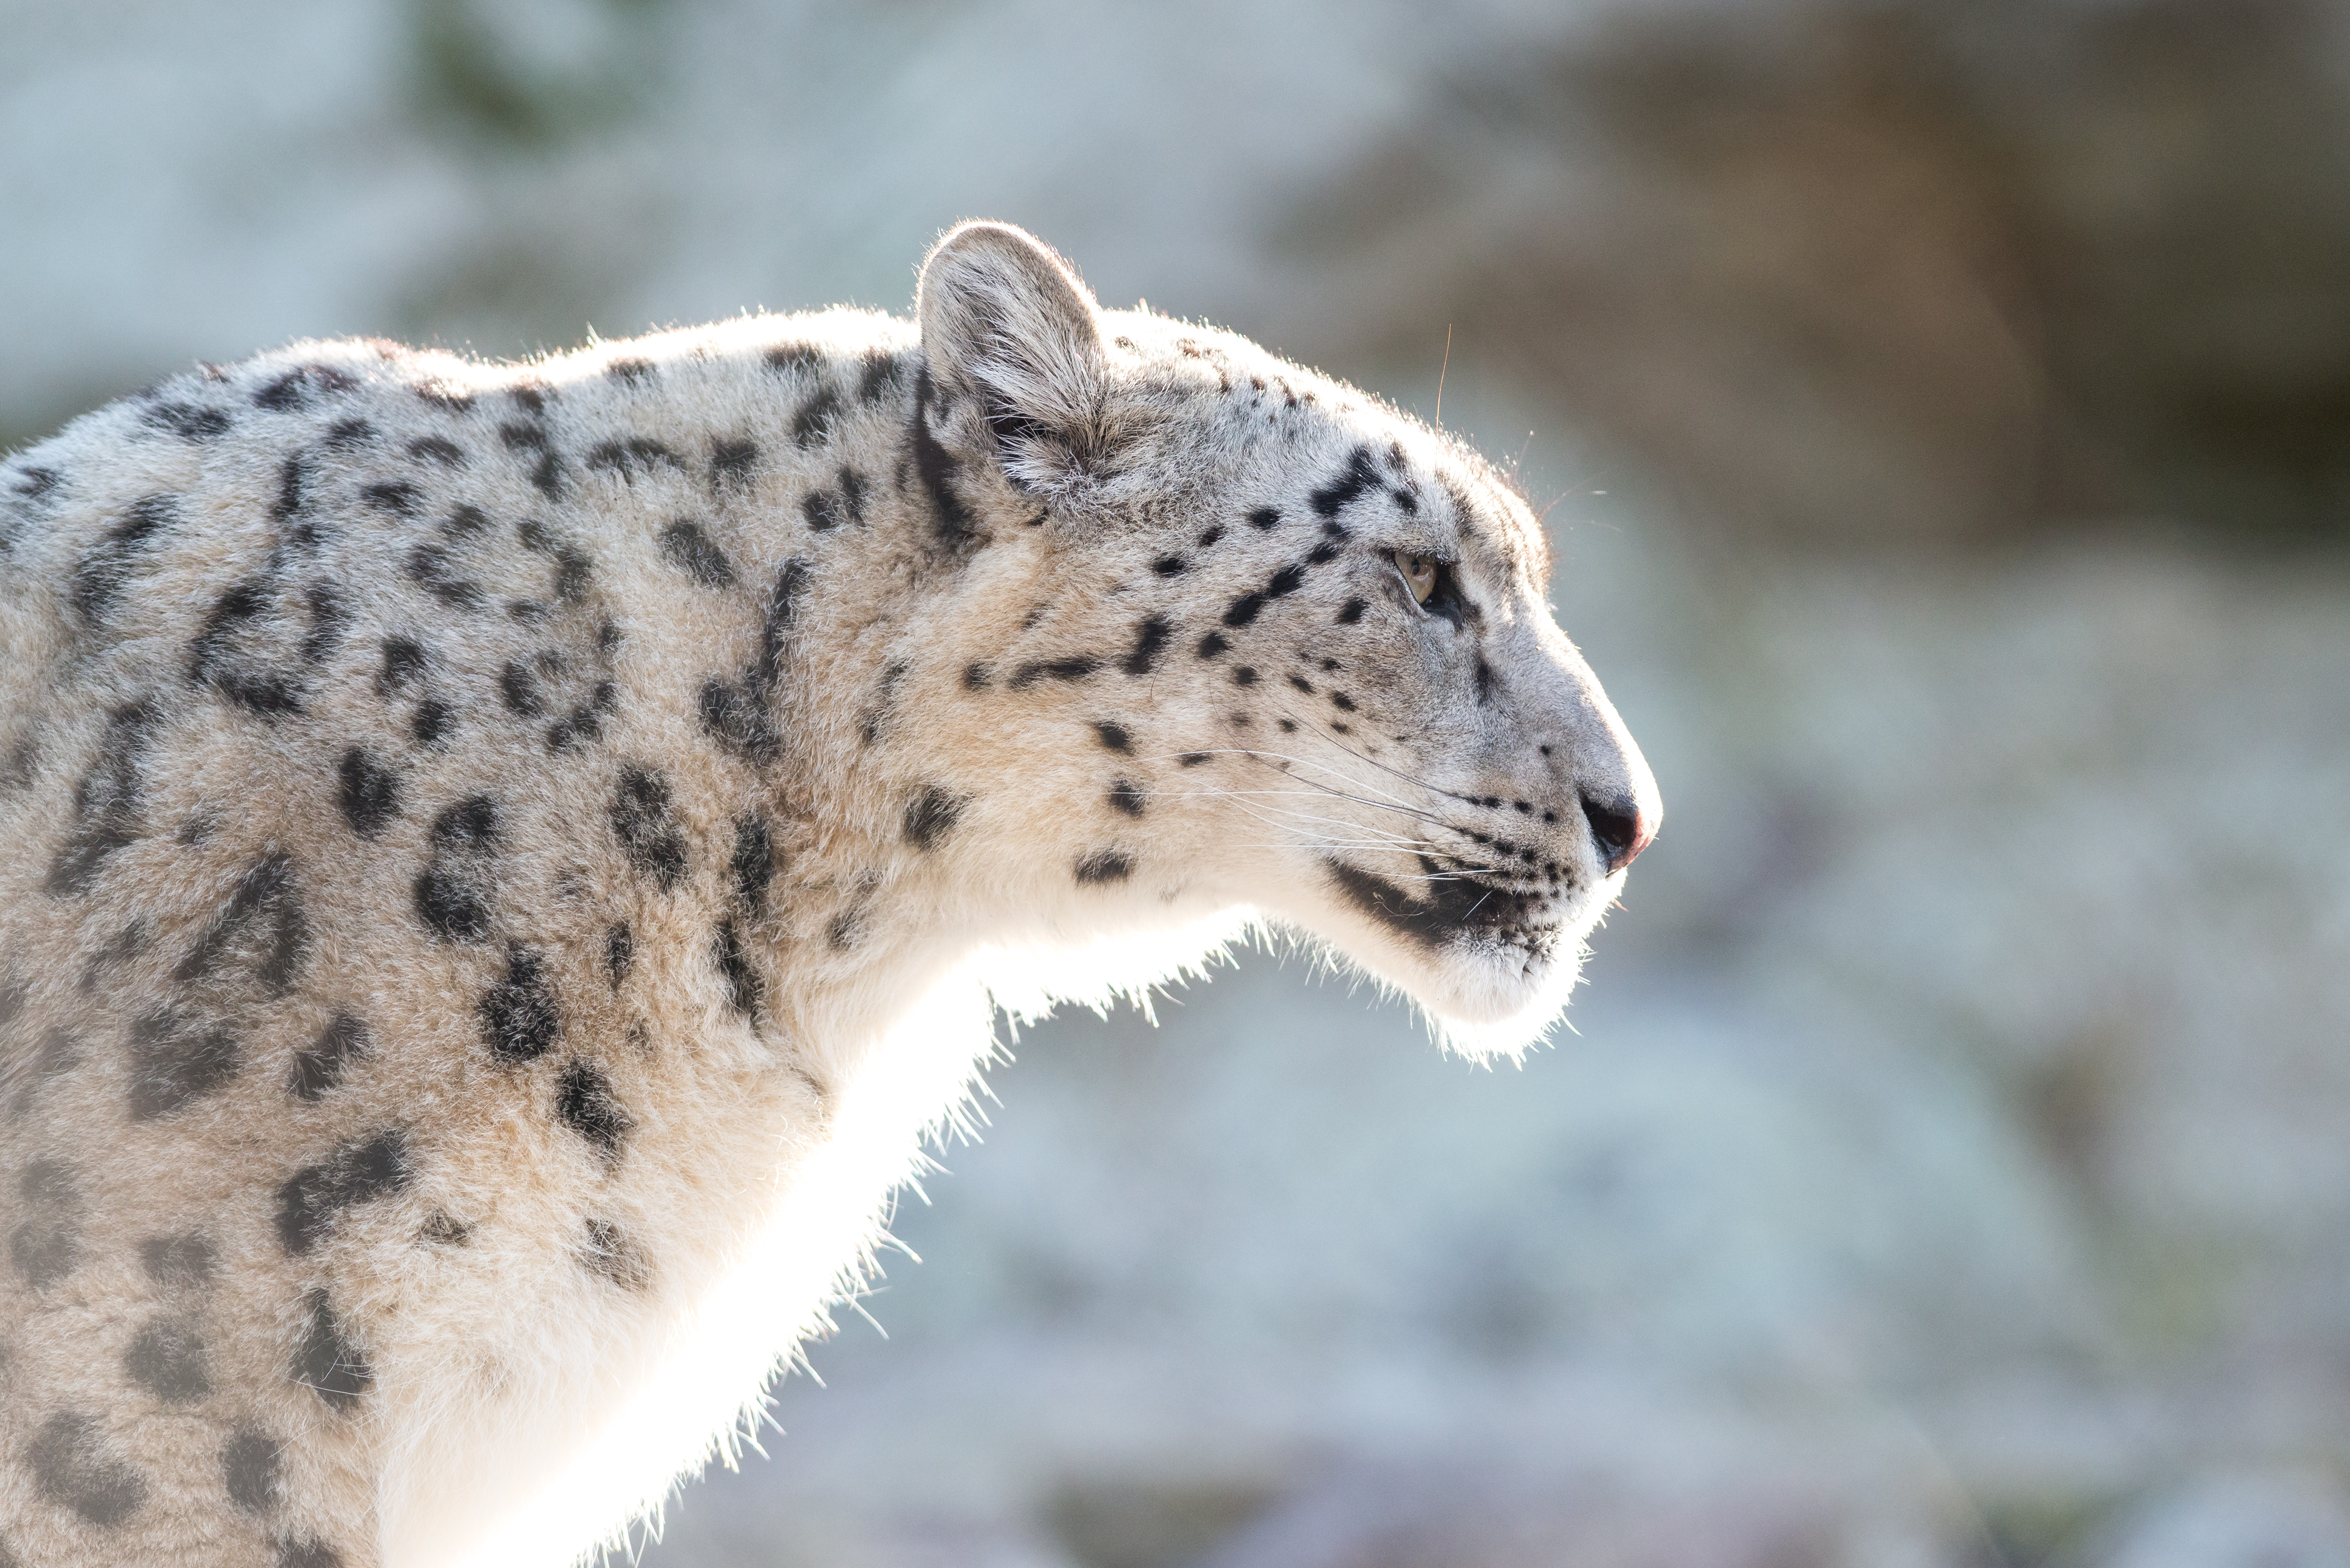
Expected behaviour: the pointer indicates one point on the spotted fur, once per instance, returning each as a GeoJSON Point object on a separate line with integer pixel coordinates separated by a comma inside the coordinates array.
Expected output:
{"type": "Point", "coordinates": [500, 866]}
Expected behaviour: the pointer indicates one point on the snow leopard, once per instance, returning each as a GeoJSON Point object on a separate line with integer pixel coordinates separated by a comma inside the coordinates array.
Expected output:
{"type": "Point", "coordinates": [502, 864]}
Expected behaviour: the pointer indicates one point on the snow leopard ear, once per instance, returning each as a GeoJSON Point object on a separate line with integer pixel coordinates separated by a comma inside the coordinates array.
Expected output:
{"type": "Point", "coordinates": [1007, 320]}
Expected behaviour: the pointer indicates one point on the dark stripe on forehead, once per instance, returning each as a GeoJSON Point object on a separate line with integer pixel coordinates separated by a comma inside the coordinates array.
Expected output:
{"type": "Point", "coordinates": [1491, 526]}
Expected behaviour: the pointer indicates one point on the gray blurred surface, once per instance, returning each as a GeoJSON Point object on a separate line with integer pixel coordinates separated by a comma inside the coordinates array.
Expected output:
{"type": "Point", "coordinates": [1941, 414]}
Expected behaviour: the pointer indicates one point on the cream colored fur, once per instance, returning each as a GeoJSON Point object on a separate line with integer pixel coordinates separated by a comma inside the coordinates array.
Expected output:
{"type": "Point", "coordinates": [953, 619]}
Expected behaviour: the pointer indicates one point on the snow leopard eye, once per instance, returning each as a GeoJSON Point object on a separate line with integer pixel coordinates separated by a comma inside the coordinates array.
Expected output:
{"type": "Point", "coordinates": [1419, 574]}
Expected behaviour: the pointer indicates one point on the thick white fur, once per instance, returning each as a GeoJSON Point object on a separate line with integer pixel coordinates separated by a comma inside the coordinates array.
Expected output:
{"type": "Point", "coordinates": [523, 1408]}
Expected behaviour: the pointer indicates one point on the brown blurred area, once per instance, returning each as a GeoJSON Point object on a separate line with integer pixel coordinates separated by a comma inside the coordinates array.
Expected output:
{"type": "Point", "coordinates": [1894, 274]}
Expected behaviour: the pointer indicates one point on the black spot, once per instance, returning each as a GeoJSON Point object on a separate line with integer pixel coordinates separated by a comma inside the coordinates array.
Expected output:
{"type": "Point", "coordinates": [212, 661]}
{"type": "Point", "coordinates": [1341, 701]}
{"type": "Point", "coordinates": [306, 1551]}
{"type": "Point", "coordinates": [611, 1255]}
{"type": "Point", "coordinates": [740, 713]}
{"type": "Point", "coordinates": [753, 863]}
{"type": "Point", "coordinates": [261, 929]}
{"type": "Point", "coordinates": [1361, 474]}
{"type": "Point", "coordinates": [252, 1466]}
{"type": "Point", "coordinates": [731, 463]}
{"type": "Point", "coordinates": [743, 987]}
{"type": "Point", "coordinates": [291, 475]}
{"type": "Point", "coordinates": [321, 1067]}
{"type": "Point", "coordinates": [1327, 550]}
{"type": "Point", "coordinates": [98, 579]}
{"type": "Point", "coordinates": [1484, 680]}
{"type": "Point", "coordinates": [1126, 796]}
{"type": "Point", "coordinates": [168, 1359]}
{"type": "Point", "coordinates": [820, 510]}
{"type": "Point", "coordinates": [633, 372]}
{"type": "Point", "coordinates": [1287, 581]}
{"type": "Point", "coordinates": [620, 952]}
{"type": "Point", "coordinates": [633, 456]}
{"type": "Point", "coordinates": [1213, 644]}
{"type": "Point", "coordinates": [291, 389]}
{"type": "Point", "coordinates": [187, 420]}
{"type": "Point", "coordinates": [1193, 759]}
{"type": "Point", "coordinates": [519, 688]}
{"type": "Point", "coordinates": [1074, 669]}
{"type": "Point", "coordinates": [45, 1246]}
{"type": "Point", "coordinates": [1169, 565]}
{"type": "Point", "coordinates": [1149, 639]}
{"type": "Point", "coordinates": [572, 572]}
{"type": "Point", "coordinates": [465, 521]}
{"type": "Point", "coordinates": [315, 1196]}
{"type": "Point", "coordinates": [329, 618]}
{"type": "Point", "coordinates": [519, 1022]}
{"type": "Point", "coordinates": [1244, 609]}
{"type": "Point", "coordinates": [1264, 516]}
{"type": "Point", "coordinates": [1104, 866]}
{"type": "Point", "coordinates": [177, 1061]}
{"type": "Point", "coordinates": [584, 723]}
{"type": "Point", "coordinates": [794, 356]}
{"type": "Point", "coordinates": [852, 494]}
{"type": "Point", "coordinates": [106, 801]}
{"type": "Point", "coordinates": [1351, 611]}
{"type": "Point", "coordinates": [1114, 736]}
{"type": "Point", "coordinates": [1244, 676]}
{"type": "Point", "coordinates": [442, 396]}
{"type": "Point", "coordinates": [686, 547]}
{"type": "Point", "coordinates": [530, 396]}
{"type": "Point", "coordinates": [432, 721]}
{"type": "Point", "coordinates": [329, 1365]}
{"type": "Point", "coordinates": [178, 1263]}
{"type": "Point", "coordinates": [936, 468]}
{"type": "Point", "coordinates": [640, 819]}
{"type": "Point", "coordinates": [880, 377]}
{"type": "Point", "coordinates": [395, 496]}
{"type": "Point", "coordinates": [814, 422]}
{"type": "Point", "coordinates": [930, 815]}
{"type": "Point", "coordinates": [840, 933]}
{"type": "Point", "coordinates": [403, 665]}
{"type": "Point", "coordinates": [1302, 684]}
{"type": "Point", "coordinates": [737, 717]}
{"type": "Point", "coordinates": [348, 435]}
{"type": "Point", "coordinates": [585, 1103]}
{"type": "Point", "coordinates": [428, 567]}
{"type": "Point", "coordinates": [73, 1466]}
{"type": "Point", "coordinates": [1288, 726]}
{"type": "Point", "coordinates": [444, 1230]}
{"type": "Point", "coordinates": [448, 899]}
{"type": "Point", "coordinates": [974, 676]}
{"type": "Point", "coordinates": [369, 793]}
{"type": "Point", "coordinates": [1212, 536]}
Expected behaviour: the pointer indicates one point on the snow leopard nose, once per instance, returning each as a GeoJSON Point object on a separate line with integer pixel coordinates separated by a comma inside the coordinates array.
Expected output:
{"type": "Point", "coordinates": [1619, 827]}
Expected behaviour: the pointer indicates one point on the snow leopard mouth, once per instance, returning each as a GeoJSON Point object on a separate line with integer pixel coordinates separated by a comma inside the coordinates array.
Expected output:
{"type": "Point", "coordinates": [1450, 907]}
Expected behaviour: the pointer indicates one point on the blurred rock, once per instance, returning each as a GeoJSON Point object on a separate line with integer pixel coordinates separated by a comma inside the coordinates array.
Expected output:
{"type": "Point", "coordinates": [1448, 1518]}
{"type": "Point", "coordinates": [1849, 272]}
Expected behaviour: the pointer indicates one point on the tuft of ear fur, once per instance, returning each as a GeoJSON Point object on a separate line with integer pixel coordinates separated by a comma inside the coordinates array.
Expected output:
{"type": "Point", "coordinates": [1007, 320]}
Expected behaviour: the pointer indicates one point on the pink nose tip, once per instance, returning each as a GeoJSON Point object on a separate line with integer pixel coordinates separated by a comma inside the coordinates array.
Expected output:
{"type": "Point", "coordinates": [1620, 828]}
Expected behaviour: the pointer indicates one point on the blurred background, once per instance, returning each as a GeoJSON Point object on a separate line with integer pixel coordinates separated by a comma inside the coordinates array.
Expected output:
{"type": "Point", "coordinates": [1942, 412]}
